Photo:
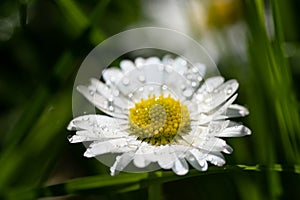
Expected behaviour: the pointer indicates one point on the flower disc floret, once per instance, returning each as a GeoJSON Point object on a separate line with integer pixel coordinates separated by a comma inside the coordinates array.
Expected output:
{"type": "Point", "coordinates": [159, 120]}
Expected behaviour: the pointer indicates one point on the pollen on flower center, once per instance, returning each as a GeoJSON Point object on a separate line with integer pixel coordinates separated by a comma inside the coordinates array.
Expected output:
{"type": "Point", "coordinates": [159, 120]}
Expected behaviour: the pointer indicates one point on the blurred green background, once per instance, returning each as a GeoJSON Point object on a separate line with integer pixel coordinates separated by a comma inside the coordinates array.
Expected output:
{"type": "Point", "coordinates": [42, 44]}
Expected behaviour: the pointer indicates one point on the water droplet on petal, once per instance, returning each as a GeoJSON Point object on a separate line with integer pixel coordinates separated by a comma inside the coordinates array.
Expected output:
{"type": "Point", "coordinates": [194, 69]}
{"type": "Point", "coordinates": [92, 92]}
{"type": "Point", "coordinates": [194, 84]}
{"type": "Point", "coordinates": [164, 87]}
{"type": "Point", "coordinates": [183, 87]}
{"type": "Point", "coordinates": [229, 90]}
{"type": "Point", "coordinates": [192, 158]}
{"type": "Point", "coordinates": [111, 108]}
{"type": "Point", "coordinates": [188, 93]}
{"type": "Point", "coordinates": [189, 76]}
{"type": "Point", "coordinates": [142, 78]}
{"type": "Point", "coordinates": [130, 95]}
{"type": "Point", "coordinates": [116, 93]}
{"type": "Point", "coordinates": [112, 79]}
{"type": "Point", "coordinates": [125, 81]}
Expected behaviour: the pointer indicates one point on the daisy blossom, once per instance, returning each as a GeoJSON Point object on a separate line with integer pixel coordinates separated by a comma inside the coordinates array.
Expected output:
{"type": "Point", "coordinates": [160, 112]}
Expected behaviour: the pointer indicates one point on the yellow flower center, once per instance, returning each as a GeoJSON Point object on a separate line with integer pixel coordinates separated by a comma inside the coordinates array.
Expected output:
{"type": "Point", "coordinates": [159, 120]}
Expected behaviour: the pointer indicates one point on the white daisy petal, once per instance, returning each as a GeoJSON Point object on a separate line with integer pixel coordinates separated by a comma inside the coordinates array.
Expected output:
{"type": "Point", "coordinates": [236, 130]}
{"type": "Point", "coordinates": [121, 162]}
{"type": "Point", "coordinates": [213, 99]}
{"type": "Point", "coordinates": [112, 75]}
{"type": "Point", "coordinates": [216, 158]}
{"type": "Point", "coordinates": [197, 159]}
{"type": "Point", "coordinates": [139, 62]}
{"type": "Point", "coordinates": [210, 84]}
{"type": "Point", "coordinates": [118, 145]}
{"type": "Point", "coordinates": [102, 103]}
{"type": "Point", "coordinates": [216, 127]}
{"type": "Point", "coordinates": [235, 110]}
{"type": "Point", "coordinates": [127, 66]}
{"type": "Point", "coordinates": [180, 166]}
{"type": "Point", "coordinates": [144, 155]}
{"type": "Point", "coordinates": [152, 60]}
{"type": "Point", "coordinates": [212, 144]}
{"type": "Point", "coordinates": [101, 88]}
{"type": "Point", "coordinates": [81, 138]}
{"type": "Point", "coordinates": [112, 96]}
{"type": "Point", "coordinates": [180, 65]}
{"type": "Point", "coordinates": [166, 157]}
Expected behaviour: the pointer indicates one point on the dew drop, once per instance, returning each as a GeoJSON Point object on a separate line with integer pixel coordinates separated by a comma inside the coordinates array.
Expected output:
{"type": "Point", "coordinates": [112, 79]}
{"type": "Point", "coordinates": [194, 84]}
{"type": "Point", "coordinates": [130, 95]}
{"type": "Point", "coordinates": [116, 93]}
{"type": "Point", "coordinates": [208, 100]}
{"type": "Point", "coordinates": [111, 108]}
{"type": "Point", "coordinates": [188, 93]}
{"type": "Point", "coordinates": [199, 78]}
{"type": "Point", "coordinates": [183, 87]}
{"type": "Point", "coordinates": [191, 158]}
{"type": "Point", "coordinates": [141, 89]}
{"type": "Point", "coordinates": [164, 87]}
{"type": "Point", "coordinates": [125, 81]}
{"type": "Point", "coordinates": [195, 70]}
{"type": "Point", "coordinates": [189, 76]}
{"type": "Point", "coordinates": [92, 92]}
{"type": "Point", "coordinates": [229, 90]}
{"type": "Point", "coordinates": [142, 78]}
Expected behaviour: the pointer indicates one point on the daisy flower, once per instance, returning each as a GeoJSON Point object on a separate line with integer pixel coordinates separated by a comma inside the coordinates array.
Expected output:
{"type": "Point", "coordinates": [159, 113]}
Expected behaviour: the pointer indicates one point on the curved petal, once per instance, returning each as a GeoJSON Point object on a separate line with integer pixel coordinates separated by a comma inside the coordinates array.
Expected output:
{"type": "Point", "coordinates": [166, 157]}
{"type": "Point", "coordinates": [127, 66]}
{"type": "Point", "coordinates": [235, 130]}
{"type": "Point", "coordinates": [121, 162]}
{"type": "Point", "coordinates": [144, 155]}
{"type": "Point", "coordinates": [197, 159]}
{"type": "Point", "coordinates": [112, 75]}
{"type": "Point", "coordinates": [235, 110]}
{"type": "Point", "coordinates": [180, 166]}
{"type": "Point", "coordinates": [216, 158]}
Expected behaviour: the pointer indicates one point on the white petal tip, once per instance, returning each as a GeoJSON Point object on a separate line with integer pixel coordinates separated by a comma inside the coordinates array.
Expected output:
{"type": "Point", "coordinates": [244, 112]}
{"type": "Point", "coordinates": [88, 154]}
{"type": "Point", "coordinates": [247, 131]}
{"type": "Point", "coordinates": [227, 149]}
